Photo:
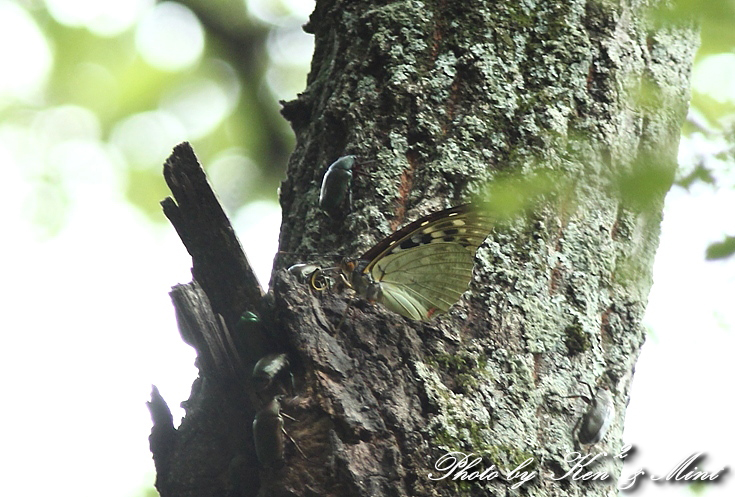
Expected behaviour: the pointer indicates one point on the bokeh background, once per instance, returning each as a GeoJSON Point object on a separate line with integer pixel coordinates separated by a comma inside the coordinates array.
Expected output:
{"type": "Point", "coordinates": [94, 95]}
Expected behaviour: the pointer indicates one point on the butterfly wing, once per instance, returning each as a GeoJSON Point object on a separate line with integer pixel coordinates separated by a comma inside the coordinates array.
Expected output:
{"type": "Point", "coordinates": [424, 268]}
{"type": "Point", "coordinates": [424, 281]}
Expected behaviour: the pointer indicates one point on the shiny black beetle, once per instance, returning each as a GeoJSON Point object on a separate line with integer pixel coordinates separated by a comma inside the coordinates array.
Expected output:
{"type": "Point", "coordinates": [336, 185]}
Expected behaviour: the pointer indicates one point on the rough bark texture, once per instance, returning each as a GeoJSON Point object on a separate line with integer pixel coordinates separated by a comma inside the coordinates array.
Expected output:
{"type": "Point", "coordinates": [211, 452]}
{"type": "Point", "coordinates": [448, 97]}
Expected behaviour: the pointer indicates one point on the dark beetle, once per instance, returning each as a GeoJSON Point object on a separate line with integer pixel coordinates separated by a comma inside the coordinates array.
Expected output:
{"type": "Point", "coordinates": [268, 434]}
{"type": "Point", "coordinates": [303, 272]}
{"type": "Point", "coordinates": [313, 274]}
{"type": "Point", "coordinates": [271, 370]}
{"type": "Point", "coordinates": [596, 421]}
{"type": "Point", "coordinates": [336, 185]}
{"type": "Point", "coordinates": [251, 340]}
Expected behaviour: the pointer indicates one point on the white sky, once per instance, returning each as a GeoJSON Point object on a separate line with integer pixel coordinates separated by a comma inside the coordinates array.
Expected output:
{"type": "Point", "coordinates": [680, 400]}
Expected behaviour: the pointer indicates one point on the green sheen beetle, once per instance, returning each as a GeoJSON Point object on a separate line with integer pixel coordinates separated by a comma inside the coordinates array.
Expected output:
{"type": "Point", "coordinates": [250, 337]}
{"type": "Point", "coordinates": [303, 272]}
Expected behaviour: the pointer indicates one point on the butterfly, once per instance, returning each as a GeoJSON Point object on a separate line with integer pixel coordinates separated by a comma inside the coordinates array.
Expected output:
{"type": "Point", "coordinates": [422, 269]}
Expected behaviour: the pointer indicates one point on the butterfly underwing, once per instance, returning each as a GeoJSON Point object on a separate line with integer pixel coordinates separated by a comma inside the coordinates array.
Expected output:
{"type": "Point", "coordinates": [422, 269]}
{"type": "Point", "coordinates": [336, 185]}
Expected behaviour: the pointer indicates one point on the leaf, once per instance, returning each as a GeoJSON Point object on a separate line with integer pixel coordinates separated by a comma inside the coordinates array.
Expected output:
{"type": "Point", "coordinates": [721, 250]}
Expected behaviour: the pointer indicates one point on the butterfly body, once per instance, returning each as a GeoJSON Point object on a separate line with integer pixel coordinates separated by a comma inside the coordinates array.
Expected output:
{"type": "Point", "coordinates": [424, 268]}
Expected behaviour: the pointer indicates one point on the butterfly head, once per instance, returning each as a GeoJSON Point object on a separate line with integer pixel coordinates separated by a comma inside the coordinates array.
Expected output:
{"type": "Point", "coordinates": [348, 267]}
{"type": "Point", "coordinates": [360, 280]}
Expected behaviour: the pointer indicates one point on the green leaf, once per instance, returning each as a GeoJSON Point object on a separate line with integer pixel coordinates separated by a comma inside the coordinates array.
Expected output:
{"type": "Point", "coordinates": [721, 250]}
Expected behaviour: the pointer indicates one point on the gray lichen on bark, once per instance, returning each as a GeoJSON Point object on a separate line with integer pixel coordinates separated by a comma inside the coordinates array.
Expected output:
{"type": "Point", "coordinates": [449, 97]}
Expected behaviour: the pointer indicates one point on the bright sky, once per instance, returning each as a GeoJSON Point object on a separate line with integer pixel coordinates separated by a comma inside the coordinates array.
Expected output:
{"type": "Point", "coordinates": [89, 325]}
{"type": "Point", "coordinates": [680, 400]}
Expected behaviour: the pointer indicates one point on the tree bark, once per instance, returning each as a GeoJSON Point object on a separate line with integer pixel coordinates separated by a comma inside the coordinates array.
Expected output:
{"type": "Point", "coordinates": [452, 99]}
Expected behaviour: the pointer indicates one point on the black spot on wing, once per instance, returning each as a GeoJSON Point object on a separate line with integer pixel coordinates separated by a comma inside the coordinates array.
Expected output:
{"type": "Point", "coordinates": [465, 225]}
{"type": "Point", "coordinates": [415, 241]}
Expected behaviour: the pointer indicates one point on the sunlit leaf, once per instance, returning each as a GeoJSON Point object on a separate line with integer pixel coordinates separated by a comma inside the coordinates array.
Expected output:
{"type": "Point", "coordinates": [722, 249]}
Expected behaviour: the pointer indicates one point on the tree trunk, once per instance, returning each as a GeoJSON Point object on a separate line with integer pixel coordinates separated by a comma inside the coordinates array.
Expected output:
{"type": "Point", "coordinates": [570, 109]}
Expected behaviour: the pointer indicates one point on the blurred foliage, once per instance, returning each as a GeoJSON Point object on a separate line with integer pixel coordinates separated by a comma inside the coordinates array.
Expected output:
{"type": "Point", "coordinates": [700, 173]}
{"type": "Point", "coordinates": [148, 492]}
{"type": "Point", "coordinates": [715, 18]}
{"type": "Point", "coordinates": [136, 110]}
{"type": "Point", "coordinates": [225, 101]}
{"type": "Point", "coordinates": [722, 249]}
{"type": "Point", "coordinates": [645, 182]}
{"type": "Point", "coordinates": [709, 133]}
{"type": "Point", "coordinates": [512, 195]}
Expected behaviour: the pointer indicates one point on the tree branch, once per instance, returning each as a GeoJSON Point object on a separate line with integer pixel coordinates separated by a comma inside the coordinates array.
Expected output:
{"type": "Point", "coordinates": [219, 263]}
